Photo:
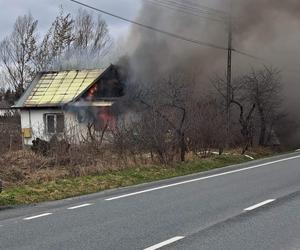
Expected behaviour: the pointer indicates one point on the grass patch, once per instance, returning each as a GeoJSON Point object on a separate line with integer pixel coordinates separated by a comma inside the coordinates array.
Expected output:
{"type": "Point", "coordinates": [70, 187]}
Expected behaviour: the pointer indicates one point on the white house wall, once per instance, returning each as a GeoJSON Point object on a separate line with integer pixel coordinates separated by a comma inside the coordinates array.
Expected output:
{"type": "Point", "coordinates": [75, 132]}
{"type": "Point", "coordinates": [34, 119]}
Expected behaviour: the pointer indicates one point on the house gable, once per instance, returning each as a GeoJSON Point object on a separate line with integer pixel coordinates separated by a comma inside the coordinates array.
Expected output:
{"type": "Point", "coordinates": [107, 87]}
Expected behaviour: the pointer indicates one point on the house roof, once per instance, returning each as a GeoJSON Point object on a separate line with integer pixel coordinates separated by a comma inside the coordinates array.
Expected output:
{"type": "Point", "coordinates": [52, 89]}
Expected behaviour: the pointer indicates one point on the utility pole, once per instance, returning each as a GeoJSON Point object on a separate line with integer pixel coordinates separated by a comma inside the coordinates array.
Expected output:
{"type": "Point", "coordinates": [229, 75]}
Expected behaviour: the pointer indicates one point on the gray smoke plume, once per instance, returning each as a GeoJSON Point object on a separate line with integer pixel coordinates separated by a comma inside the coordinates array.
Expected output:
{"type": "Point", "coordinates": [268, 29]}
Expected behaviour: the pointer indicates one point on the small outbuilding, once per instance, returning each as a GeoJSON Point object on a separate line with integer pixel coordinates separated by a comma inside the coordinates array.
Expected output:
{"type": "Point", "coordinates": [68, 103]}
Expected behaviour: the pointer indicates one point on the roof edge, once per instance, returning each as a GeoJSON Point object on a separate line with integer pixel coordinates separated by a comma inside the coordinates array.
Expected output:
{"type": "Point", "coordinates": [24, 96]}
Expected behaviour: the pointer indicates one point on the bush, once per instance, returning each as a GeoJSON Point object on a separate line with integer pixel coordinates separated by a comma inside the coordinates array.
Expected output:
{"type": "Point", "coordinates": [10, 134]}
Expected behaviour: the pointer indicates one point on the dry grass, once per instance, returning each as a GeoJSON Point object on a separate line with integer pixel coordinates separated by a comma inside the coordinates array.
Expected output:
{"type": "Point", "coordinates": [25, 167]}
{"type": "Point", "coordinates": [29, 177]}
{"type": "Point", "coordinates": [259, 152]}
{"type": "Point", "coordinates": [70, 187]}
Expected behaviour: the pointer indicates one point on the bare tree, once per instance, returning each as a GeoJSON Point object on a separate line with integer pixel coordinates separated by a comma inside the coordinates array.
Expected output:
{"type": "Point", "coordinates": [257, 96]}
{"type": "Point", "coordinates": [239, 97]}
{"type": "Point", "coordinates": [206, 128]}
{"type": "Point", "coordinates": [84, 29]}
{"type": "Point", "coordinates": [263, 88]}
{"type": "Point", "coordinates": [169, 100]}
{"type": "Point", "coordinates": [91, 35]}
{"type": "Point", "coordinates": [170, 120]}
{"type": "Point", "coordinates": [164, 104]}
{"type": "Point", "coordinates": [82, 42]}
{"type": "Point", "coordinates": [55, 43]}
{"type": "Point", "coordinates": [62, 33]}
{"type": "Point", "coordinates": [17, 52]}
{"type": "Point", "coordinates": [43, 56]}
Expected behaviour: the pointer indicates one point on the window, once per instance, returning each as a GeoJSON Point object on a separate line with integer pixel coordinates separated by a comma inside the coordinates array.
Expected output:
{"type": "Point", "coordinates": [50, 121]}
{"type": "Point", "coordinates": [54, 123]}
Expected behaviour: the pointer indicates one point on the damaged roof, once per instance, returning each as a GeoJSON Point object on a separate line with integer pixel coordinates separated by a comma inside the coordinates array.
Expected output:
{"type": "Point", "coordinates": [52, 89]}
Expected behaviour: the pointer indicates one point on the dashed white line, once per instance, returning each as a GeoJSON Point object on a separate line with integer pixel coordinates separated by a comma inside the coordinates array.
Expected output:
{"type": "Point", "coordinates": [201, 178]}
{"type": "Point", "coordinates": [80, 206]}
{"type": "Point", "coordinates": [37, 216]}
{"type": "Point", "coordinates": [165, 243]}
{"type": "Point", "coordinates": [259, 205]}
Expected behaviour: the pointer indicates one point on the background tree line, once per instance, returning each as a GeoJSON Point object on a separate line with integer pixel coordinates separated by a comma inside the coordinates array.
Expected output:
{"type": "Point", "coordinates": [173, 123]}
{"type": "Point", "coordinates": [82, 41]}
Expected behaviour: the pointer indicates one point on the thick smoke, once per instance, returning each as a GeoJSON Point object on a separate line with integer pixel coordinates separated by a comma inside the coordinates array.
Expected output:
{"type": "Point", "coordinates": [258, 25]}
{"type": "Point", "coordinates": [268, 29]}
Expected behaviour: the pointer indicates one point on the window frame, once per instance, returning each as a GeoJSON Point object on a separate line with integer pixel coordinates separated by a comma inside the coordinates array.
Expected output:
{"type": "Point", "coordinates": [54, 115]}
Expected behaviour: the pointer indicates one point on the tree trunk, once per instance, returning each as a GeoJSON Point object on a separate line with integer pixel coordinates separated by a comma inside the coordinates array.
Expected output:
{"type": "Point", "coordinates": [262, 135]}
{"type": "Point", "coordinates": [263, 128]}
{"type": "Point", "coordinates": [182, 148]}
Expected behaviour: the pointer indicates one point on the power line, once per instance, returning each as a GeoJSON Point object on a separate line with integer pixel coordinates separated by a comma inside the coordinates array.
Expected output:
{"type": "Point", "coordinates": [176, 6]}
{"type": "Point", "coordinates": [189, 12]}
{"type": "Point", "coordinates": [192, 3]}
{"type": "Point", "coordinates": [194, 41]}
{"type": "Point", "coordinates": [186, 6]}
{"type": "Point", "coordinates": [195, 7]}
{"type": "Point", "coordinates": [179, 37]}
{"type": "Point", "coordinates": [247, 54]}
{"type": "Point", "coordinates": [186, 12]}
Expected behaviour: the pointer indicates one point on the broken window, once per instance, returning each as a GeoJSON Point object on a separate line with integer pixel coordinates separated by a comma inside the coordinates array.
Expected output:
{"type": "Point", "coordinates": [54, 123]}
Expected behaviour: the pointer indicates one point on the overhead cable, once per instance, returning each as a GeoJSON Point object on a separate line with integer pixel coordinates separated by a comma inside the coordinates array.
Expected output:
{"type": "Point", "coordinates": [194, 41]}
{"type": "Point", "coordinates": [179, 37]}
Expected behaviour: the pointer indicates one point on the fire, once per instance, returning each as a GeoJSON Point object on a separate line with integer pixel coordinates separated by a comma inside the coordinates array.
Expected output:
{"type": "Point", "coordinates": [106, 118]}
{"type": "Point", "coordinates": [92, 91]}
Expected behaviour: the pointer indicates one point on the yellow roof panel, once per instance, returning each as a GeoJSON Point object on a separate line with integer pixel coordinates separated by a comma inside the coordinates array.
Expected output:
{"type": "Point", "coordinates": [78, 81]}
{"type": "Point", "coordinates": [54, 88]}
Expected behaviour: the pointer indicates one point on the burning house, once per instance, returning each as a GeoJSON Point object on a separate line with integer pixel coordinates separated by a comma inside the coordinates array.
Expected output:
{"type": "Point", "coordinates": [69, 103]}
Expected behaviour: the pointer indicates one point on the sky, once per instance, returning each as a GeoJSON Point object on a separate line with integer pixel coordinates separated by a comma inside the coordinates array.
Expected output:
{"type": "Point", "coordinates": [45, 11]}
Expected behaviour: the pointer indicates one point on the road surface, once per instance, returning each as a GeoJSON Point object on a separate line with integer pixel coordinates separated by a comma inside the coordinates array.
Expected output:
{"type": "Point", "coordinates": [250, 206]}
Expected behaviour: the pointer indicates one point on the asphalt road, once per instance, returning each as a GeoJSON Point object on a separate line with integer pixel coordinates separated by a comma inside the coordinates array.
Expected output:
{"type": "Point", "coordinates": [250, 206]}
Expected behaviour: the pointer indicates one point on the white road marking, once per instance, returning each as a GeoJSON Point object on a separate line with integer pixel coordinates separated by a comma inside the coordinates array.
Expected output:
{"type": "Point", "coordinates": [259, 205]}
{"type": "Point", "coordinates": [201, 178]}
{"type": "Point", "coordinates": [165, 243]}
{"type": "Point", "coordinates": [80, 206]}
{"type": "Point", "coordinates": [37, 216]}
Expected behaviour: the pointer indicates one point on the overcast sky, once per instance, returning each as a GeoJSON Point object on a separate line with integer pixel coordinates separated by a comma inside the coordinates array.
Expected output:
{"type": "Point", "coordinates": [45, 11]}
